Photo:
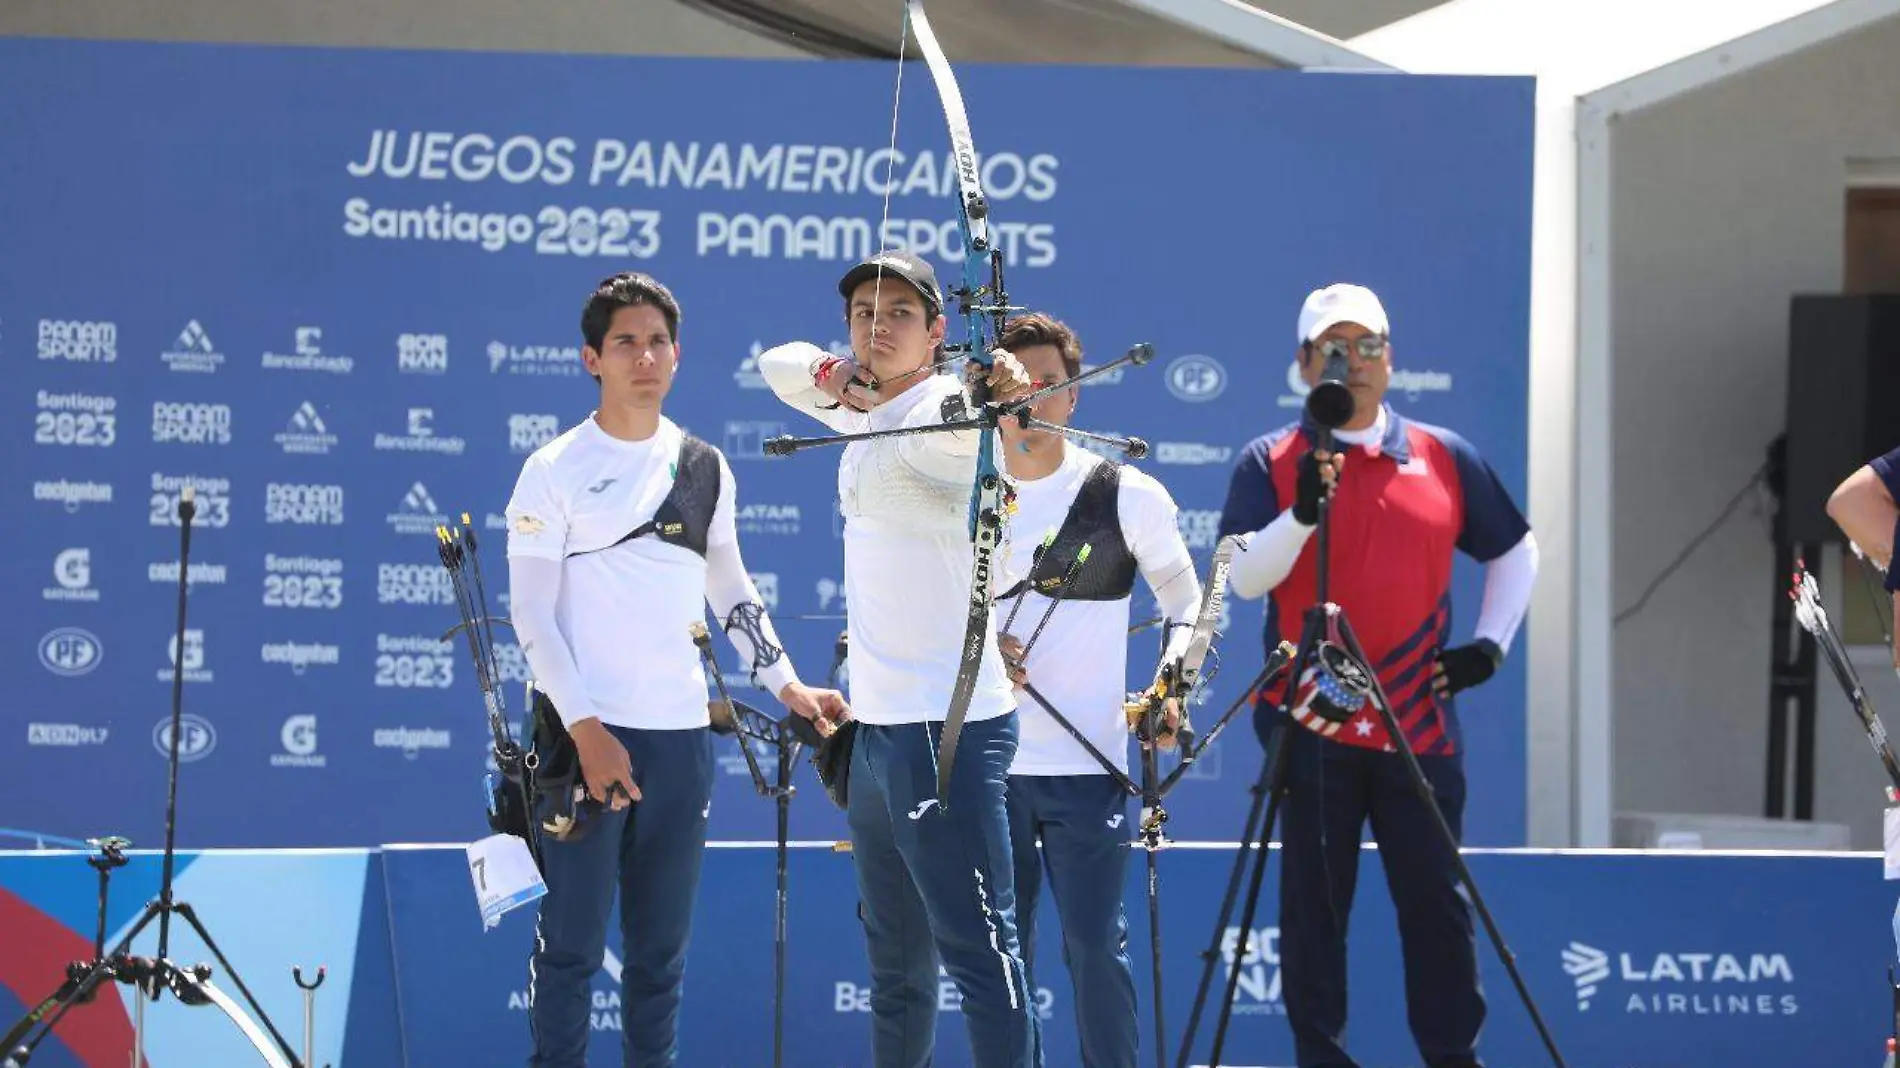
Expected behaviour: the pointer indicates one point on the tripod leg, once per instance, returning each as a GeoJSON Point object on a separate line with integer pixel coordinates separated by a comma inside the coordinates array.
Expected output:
{"type": "Point", "coordinates": [1310, 633]}
{"type": "Point", "coordinates": [191, 917]}
{"type": "Point", "coordinates": [1267, 790]}
{"type": "Point", "coordinates": [778, 932]}
{"type": "Point", "coordinates": [1211, 954]}
{"type": "Point", "coordinates": [1423, 786]}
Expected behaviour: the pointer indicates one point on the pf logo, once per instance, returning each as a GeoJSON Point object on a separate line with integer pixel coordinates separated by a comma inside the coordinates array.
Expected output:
{"type": "Point", "coordinates": [70, 651]}
{"type": "Point", "coordinates": [194, 650]}
{"type": "Point", "coordinates": [196, 738]}
{"type": "Point", "coordinates": [1196, 378]}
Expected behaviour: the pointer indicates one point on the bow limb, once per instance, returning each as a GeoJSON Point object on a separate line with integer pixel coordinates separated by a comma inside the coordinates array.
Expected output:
{"type": "Point", "coordinates": [983, 303]}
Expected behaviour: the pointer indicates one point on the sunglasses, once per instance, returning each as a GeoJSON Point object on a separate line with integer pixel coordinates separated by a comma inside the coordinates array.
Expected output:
{"type": "Point", "coordinates": [1369, 347]}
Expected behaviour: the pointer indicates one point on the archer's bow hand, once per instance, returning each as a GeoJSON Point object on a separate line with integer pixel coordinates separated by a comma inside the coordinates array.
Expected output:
{"type": "Point", "coordinates": [815, 704]}
{"type": "Point", "coordinates": [1012, 649]}
{"type": "Point", "coordinates": [1007, 379]}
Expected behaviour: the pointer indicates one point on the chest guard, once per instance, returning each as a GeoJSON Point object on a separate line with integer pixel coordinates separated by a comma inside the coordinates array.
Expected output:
{"type": "Point", "coordinates": [1094, 520]}
{"type": "Point", "coordinates": [685, 516]}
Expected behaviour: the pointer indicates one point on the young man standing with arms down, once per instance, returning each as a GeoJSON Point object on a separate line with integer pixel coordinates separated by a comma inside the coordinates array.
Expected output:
{"type": "Point", "coordinates": [620, 532]}
{"type": "Point", "coordinates": [1059, 793]}
{"type": "Point", "coordinates": [1404, 497]}
{"type": "Point", "coordinates": [935, 875]}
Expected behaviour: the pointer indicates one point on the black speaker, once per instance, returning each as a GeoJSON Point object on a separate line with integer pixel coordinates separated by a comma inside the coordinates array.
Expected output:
{"type": "Point", "coordinates": [1843, 400]}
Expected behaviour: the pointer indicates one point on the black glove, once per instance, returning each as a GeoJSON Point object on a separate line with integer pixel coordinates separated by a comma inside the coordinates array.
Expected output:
{"type": "Point", "coordinates": [1308, 490]}
{"type": "Point", "coordinates": [1465, 666]}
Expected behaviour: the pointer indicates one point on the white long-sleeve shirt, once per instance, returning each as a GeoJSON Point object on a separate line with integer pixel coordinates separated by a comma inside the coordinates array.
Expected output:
{"type": "Point", "coordinates": [607, 633]}
{"type": "Point", "coordinates": [1080, 661]}
{"type": "Point", "coordinates": [908, 562]}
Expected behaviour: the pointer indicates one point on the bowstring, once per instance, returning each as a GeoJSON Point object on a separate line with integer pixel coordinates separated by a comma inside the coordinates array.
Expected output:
{"type": "Point", "coordinates": [890, 167]}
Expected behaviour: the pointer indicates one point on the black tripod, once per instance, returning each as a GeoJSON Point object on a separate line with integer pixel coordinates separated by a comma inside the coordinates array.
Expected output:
{"type": "Point", "coordinates": [1329, 647]}
{"type": "Point", "coordinates": [153, 976]}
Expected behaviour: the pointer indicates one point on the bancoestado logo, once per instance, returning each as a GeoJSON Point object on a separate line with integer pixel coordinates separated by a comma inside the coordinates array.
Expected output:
{"type": "Point", "coordinates": [856, 997]}
{"type": "Point", "coordinates": [307, 355]}
{"type": "Point", "coordinates": [1695, 983]}
{"type": "Point", "coordinates": [421, 437]}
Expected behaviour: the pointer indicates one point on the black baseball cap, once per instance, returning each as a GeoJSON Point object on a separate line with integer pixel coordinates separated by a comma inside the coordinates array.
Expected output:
{"type": "Point", "coordinates": [902, 264]}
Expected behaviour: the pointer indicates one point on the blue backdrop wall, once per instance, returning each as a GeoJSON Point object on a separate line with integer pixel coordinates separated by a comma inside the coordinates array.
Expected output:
{"type": "Point", "coordinates": [338, 293]}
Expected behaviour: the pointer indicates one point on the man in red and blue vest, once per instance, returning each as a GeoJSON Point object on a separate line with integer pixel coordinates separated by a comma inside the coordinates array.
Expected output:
{"type": "Point", "coordinates": [1402, 497]}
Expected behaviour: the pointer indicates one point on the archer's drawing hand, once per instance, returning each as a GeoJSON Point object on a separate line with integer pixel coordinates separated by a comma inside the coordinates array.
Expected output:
{"type": "Point", "coordinates": [847, 383]}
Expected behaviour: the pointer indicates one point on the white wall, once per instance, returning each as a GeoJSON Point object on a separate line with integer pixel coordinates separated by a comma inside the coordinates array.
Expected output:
{"type": "Point", "coordinates": [1725, 203]}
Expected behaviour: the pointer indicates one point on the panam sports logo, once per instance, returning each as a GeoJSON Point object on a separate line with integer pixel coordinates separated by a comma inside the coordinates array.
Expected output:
{"type": "Point", "coordinates": [1692, 983]}
{"type": "Point", "coordinates": [77, 341]}
{"type": "Point", "coordinates": [178, 423]}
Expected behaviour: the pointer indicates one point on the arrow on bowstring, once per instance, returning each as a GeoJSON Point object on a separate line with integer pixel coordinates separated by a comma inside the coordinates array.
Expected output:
{"type": "Point", "coordinates": [983, 301]}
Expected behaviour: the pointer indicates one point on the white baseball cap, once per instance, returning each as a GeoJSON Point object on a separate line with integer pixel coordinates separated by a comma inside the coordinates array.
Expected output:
{"type": "Point", "coordinates": [1342, 302]}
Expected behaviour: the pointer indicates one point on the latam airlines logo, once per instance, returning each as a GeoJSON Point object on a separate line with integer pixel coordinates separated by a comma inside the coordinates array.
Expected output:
{"type": "Point", "coordinates": [504, 358]}
{"type": "Point", "coordinates": [1699, 983]}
